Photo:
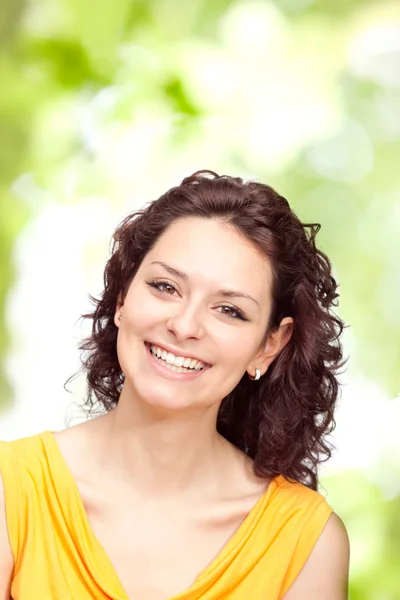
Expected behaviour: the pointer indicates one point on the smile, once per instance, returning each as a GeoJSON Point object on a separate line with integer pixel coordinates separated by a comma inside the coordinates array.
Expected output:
{"type": "Point", "coordinates": [171, 370]}
{"type": "Point", "coordinates": [179, 364]}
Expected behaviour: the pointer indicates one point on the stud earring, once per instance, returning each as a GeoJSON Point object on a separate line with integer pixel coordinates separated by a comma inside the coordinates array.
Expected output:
{"type": "Point", "coordinates": [119, 317]}
{"type": "Point", "coordinates": [256, 376]}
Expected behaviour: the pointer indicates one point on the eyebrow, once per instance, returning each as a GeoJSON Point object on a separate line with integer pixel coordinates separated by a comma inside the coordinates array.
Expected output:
{"type": "Point", "coordinates": [185, 277]}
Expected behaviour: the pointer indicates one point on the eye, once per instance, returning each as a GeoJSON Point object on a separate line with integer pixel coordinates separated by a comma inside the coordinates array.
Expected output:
{"type": "Point", "coordinates": [167, 288]}
{"type": "Point", "coordinates": [164, 287]}
{"type": "Point", "coordinates": [232, 312]}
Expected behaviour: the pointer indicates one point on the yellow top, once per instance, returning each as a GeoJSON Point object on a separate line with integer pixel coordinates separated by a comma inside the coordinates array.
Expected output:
{"type": "Point", "coordinates": [58, 557]}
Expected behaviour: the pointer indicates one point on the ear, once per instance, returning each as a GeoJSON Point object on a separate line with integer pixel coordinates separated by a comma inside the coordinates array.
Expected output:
{"type": "Point", "coordinates": [275, 343]}
{"type": "Point", "coordinates": [118, 311]}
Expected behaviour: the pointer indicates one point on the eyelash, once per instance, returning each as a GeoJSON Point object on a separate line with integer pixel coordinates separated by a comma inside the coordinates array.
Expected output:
{"type": "Point", "coordinates": [159, 283]}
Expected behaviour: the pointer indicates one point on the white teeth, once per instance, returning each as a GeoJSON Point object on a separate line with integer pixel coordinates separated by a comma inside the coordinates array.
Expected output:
{"type": "Point", "coordinates": [176, 363]}
{"type": "Point", "coordinates": [170, 358]}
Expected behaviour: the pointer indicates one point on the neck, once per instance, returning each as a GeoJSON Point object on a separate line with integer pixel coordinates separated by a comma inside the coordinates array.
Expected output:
{"type": "Point", "coordinates": [163, 453]}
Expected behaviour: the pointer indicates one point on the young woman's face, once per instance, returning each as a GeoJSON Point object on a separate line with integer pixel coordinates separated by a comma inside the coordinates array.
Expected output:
{"type": "Point", "coordinates": [201, 299]}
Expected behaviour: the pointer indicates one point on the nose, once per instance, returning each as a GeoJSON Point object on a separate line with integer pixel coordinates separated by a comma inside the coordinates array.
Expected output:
{"type": "Point", "coordinates": [186, 322]}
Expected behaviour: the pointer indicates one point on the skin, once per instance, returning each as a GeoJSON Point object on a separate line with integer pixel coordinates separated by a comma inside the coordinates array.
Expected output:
{"type": "Point", "coordinates": [159, 448]}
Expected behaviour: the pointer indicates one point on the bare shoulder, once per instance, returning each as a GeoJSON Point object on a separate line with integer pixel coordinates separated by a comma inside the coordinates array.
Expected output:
{"type": "Point", "coordinates": [325, 574]}
{"type": "Point", "coordinates": [80, 444]}
{"type": "Point", "coordinates": [6, 558]}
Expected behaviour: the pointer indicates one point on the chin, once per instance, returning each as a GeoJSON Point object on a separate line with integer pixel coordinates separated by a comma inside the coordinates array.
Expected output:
{"type": "Point", "coordinates": [159, 398]}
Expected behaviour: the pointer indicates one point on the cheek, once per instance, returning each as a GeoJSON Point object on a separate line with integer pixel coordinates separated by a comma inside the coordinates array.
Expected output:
{"type": "Point", "coordinates": [141, 312]}
{"type": "Point", "coordinates": [236, 346]}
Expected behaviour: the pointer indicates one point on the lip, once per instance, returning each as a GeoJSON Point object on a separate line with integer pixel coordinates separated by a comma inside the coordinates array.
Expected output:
{"type": "Point", "coordinates": [178, 352]}
{"type": "Point", "coordinates": [166, 372]}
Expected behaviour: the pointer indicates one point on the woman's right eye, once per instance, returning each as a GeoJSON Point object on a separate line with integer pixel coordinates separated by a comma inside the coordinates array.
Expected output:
{"type": "Point", "coordinates": [164, 287]}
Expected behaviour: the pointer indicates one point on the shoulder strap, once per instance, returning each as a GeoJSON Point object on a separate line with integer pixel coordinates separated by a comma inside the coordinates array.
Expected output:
{"type": "Point", "coordinates": [15, 499]}
{"type": "Point", "coordinates": [313, 513]}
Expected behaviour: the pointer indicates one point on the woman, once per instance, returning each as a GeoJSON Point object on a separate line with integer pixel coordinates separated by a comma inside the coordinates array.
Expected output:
{"type": "Point", "coordinates": [214, 352]}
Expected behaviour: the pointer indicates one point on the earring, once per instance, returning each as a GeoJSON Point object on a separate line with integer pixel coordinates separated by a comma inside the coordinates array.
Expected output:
{"type": "Point", "coordinates": [119, 317]}
{"type": "Point", "coordinates": [256, 376]}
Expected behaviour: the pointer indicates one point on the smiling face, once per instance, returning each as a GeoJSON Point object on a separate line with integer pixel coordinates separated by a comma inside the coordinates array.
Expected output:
{"type": "Point", "coordinates": [201, 293]}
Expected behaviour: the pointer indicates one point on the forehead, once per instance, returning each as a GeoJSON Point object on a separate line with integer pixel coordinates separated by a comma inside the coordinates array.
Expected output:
{"type": "Point", "coordinates": [214, 253]}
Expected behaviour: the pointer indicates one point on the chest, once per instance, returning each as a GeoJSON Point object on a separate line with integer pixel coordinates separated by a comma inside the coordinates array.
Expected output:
{"type": "Point", "coordinates": [158, 549]}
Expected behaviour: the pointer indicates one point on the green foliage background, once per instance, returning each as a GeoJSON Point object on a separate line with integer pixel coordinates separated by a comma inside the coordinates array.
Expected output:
{"type": "Point", "coordinates": [76, 73]}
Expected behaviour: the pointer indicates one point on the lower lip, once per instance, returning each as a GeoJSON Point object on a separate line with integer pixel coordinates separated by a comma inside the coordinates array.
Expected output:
{"type": "Point", "coordinates": [167, 372]}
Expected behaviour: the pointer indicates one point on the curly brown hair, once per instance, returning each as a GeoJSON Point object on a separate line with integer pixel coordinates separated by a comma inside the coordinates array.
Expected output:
{"type": "Point", "coordinates": [282, 420]}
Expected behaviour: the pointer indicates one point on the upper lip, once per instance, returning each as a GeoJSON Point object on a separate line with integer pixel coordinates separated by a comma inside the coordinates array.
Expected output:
{"type": "Point", "coordinates": [178, 352]}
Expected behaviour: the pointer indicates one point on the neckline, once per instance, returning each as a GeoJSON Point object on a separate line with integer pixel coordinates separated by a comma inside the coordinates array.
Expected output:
{"type": "Point", "coordinates": [101, 563]}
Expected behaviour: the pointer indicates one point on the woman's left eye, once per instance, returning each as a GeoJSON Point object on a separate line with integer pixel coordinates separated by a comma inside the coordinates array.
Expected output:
{"type": "Point", "coordinates": [232, 312]}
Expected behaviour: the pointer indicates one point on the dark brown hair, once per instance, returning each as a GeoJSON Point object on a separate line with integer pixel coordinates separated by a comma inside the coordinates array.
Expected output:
{"type": "Point", "coordinates": [282, 420]}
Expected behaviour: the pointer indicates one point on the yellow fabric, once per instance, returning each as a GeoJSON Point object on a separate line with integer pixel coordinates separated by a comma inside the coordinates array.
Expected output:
{"type": "Point", "coordinates": [57, 556]}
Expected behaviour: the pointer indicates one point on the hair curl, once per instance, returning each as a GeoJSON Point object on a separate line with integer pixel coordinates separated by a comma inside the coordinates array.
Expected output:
{"type": "Point", "coordinates": [282, 420]}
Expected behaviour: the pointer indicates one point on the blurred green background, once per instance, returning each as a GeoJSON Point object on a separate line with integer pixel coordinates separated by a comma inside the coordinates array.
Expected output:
{"type": "Point", "coordinates": [104, 105]}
